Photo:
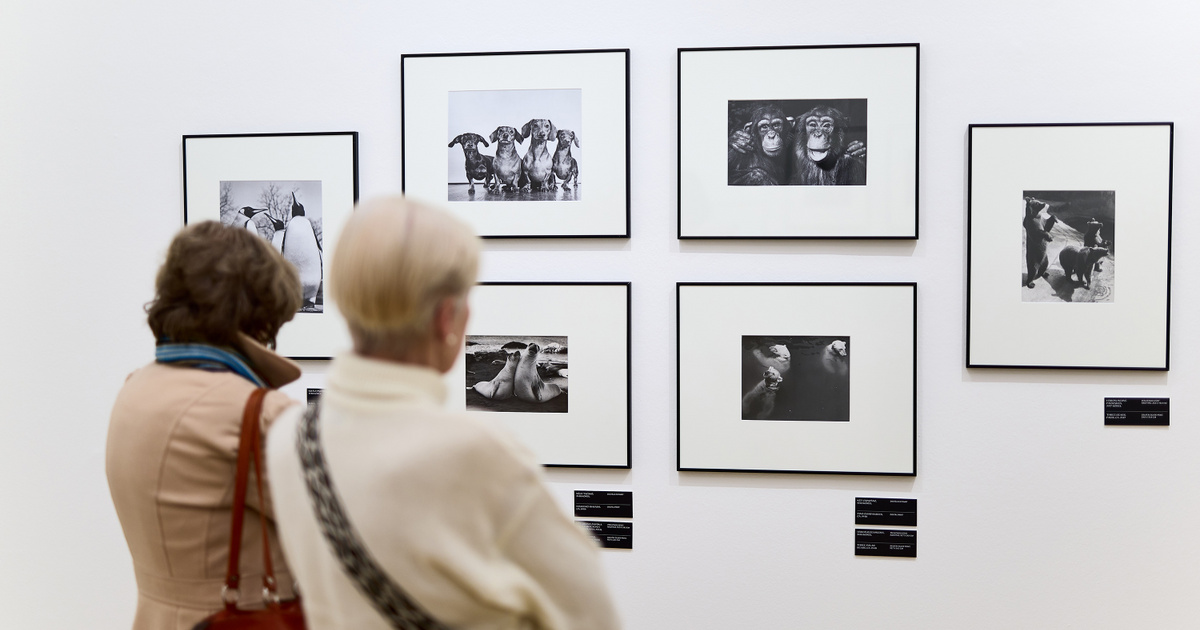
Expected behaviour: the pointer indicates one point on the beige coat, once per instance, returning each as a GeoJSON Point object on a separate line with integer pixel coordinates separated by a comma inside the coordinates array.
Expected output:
{"type": "Point", "coordinates": [453, 510]}
{"type": "Point", "coordinates": [171, 455]}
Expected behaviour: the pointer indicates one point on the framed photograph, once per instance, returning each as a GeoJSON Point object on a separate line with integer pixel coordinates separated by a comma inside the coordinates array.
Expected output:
{"type": "Point", "coordinates": [771, 149]}
{"type": "Point", "coordinates": [797, 377]}
{"type": "Point", "coordinates": [499, 138]}
{"type": "Point", "coordinates": [551, 363]}
{"type": "Point", "coordinates": [1050, 201]}
{"type": "Point", "coordinates": [292, 189]}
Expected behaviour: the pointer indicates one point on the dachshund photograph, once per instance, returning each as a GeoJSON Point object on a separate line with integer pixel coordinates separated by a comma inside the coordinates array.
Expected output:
{"type": "Point", "coordinates": [513, 142]}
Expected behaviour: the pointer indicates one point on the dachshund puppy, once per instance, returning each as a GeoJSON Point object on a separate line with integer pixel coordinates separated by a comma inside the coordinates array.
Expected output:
{"type": "Point", "coordinates": [539, 167]}
{"type": "Point", "coordinates": [478, 166]}
{"type": "Point", "coordinates": [507, 164]}
{"type": "Point", "coordinates": [565, 166]}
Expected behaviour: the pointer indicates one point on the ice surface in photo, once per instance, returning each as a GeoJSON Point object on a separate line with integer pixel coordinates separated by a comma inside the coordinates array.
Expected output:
{"type": "Point", "coordinates": [795, 378]}
{"type": "Point", "coordinates": [287, 213]}
{"type": "Point", "coordinates": [517, 373]}
{"type": "Point", "coordinates": [1068, 246]}
{"type": "Point", "coordinates": [515, 145]}
{"type": "Point", "coordinates": [798, 142]}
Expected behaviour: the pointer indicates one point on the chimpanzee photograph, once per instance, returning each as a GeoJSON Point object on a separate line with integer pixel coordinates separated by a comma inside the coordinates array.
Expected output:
{"type": "Point", "coordinates": [796, 378]}
{"type": "Point", "coordinates": [1068, 246]}
{"type": "Point", "coordinates": [803, 142]}
{"type": "Point", "coordinates": [515, 145]}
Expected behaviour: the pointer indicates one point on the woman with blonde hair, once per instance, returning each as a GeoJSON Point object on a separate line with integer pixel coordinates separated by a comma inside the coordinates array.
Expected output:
{"type": "Point", "coordinates": [394, 511]}
{"type": "Point", "coordinates": [220, 298]}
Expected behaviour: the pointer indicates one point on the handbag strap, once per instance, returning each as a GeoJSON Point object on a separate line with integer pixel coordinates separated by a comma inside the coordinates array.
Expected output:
{"type": "Point", "coordinates": [388, 598]}
{"type": "Point", "coordinates": [249, 445]}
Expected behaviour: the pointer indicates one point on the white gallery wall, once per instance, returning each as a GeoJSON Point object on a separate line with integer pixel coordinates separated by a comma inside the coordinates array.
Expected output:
{"type": "Point", "coordinates": [1032, 513]}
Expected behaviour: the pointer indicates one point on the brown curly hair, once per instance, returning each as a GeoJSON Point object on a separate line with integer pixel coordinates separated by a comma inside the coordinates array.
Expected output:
{"type": "Point", "coordinates": [217, 281]}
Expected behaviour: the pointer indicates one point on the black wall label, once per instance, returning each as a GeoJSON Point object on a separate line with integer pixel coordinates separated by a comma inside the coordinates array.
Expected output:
{"type": "Point", "coordinates": [610, 535]}
{"type": "Point", "coordinates": [869, 511]}
{"type": "Point", "coordinates": [898, 543]}
{"type": "Point", "coordinates": [1137, 411]}
{"type": "Point", "coordinates": [314, 394]}
{"type": "Point", "coordinates": [604, 504]}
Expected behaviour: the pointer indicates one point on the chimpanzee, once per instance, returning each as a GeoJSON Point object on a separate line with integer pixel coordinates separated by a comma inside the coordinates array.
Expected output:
{"type": "Point", "coordinates": [821, 156]}
{"type": "Point", "coordinates": [758, 152]}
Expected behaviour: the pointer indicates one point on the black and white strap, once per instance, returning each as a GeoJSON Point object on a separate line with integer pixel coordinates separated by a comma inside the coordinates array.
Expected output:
{"type": "Point", "coordinates": [384, 594]}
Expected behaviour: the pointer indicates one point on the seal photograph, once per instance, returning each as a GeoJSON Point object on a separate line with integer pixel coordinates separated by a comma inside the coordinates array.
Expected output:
{"type": "Point", "coordinates": [516, 373]}
{"type": "Point", "coordinates": [796, 378]}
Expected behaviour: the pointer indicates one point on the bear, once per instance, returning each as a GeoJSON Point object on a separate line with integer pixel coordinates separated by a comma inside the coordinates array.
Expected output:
{"type": "Point", "coordinates": [1091, 238]}
{"type": "Point", "coordinates": [759, 403]}
{"type": "Point", "coordinates": [1076, 261]}
{"type": "Point", "coordinates": [1037, 234]}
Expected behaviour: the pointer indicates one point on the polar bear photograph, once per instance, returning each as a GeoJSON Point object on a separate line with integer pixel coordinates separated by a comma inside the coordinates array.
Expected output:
{"type": "Point", "coordinates": [796, 378]}
{"type": "Point", "coordinates": [516, 373]}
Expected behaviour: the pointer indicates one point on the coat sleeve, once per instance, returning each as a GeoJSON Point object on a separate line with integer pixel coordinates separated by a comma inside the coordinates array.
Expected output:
{"type": "Point", "coordinates": [274, 405]}
{"type": "Point", "coordinates": [562, 561]}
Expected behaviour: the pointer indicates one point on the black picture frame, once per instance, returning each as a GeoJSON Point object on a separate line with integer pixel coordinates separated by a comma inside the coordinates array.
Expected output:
{"type": "Point", "coordinates": [600, 209]}
{"type": "Point", "coordinates": [593, 320]}
{"type": "Point", "coordinates": [719, 328]}
{"type": "Point", "coordinates": [1119, 315]}
{"type": "Point", "coordinates": [211, 162]}
{"type": "Point", "coordinates": [880, 202]}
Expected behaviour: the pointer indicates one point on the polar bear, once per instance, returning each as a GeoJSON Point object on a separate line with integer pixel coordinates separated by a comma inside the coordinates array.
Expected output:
{"type": "Point", "coordinates": [759, 403]}
{"type": "Point", "coordinates": [777, 356]}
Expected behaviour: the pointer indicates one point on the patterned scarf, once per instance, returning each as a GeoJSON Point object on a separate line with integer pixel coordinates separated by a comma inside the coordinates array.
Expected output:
{"type": "Point", "coordinates": [206, 357]}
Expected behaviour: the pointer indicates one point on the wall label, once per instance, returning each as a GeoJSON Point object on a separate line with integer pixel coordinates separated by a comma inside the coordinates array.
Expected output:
{"type": "Point", "coordinates": [604, 504]}
{"type": "Point", "coordinates": [610, 535]}
{"type": "Point", "coordinates": [1137, 411]}
{"type": "Point", "coordinates": [883, 511]}
{"type": "Point", "coordinates": [896, 543]}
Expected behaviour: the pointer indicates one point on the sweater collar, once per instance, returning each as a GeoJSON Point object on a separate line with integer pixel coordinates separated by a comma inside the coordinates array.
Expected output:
{"type": "Point", "coordinates": [385, 381]}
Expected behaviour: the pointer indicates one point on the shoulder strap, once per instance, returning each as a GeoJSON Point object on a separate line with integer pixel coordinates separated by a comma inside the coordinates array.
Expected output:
{"type": "Point", "coordinates": [388, 598]}
{"type": "Point", "coordinates": [249, 445]}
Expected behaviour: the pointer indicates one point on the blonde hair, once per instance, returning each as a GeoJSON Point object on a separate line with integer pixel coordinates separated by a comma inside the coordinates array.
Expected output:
{"type": "Point", "coordinates": [395, 261]}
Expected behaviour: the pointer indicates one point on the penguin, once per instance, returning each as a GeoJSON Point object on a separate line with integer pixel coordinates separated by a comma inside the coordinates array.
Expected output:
{"type": "Point", "coordinates": [300, 247]}
{"type": "Point", "coordinates": [261, 221]}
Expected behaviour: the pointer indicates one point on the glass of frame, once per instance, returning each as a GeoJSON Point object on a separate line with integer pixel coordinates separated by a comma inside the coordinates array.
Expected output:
{"type": "Point", "coordinates": [1051, 201]}
{"type": "Point", "coordinates": [769, 150]}
{"type": "Point", "coordinates": [797, 377]}
{"type": "Point", "coordinates": [551, 363]}
{"type": "Point", "coordinates": [293, 189]}
{"type": "Point", "coordinates": [499, 138]}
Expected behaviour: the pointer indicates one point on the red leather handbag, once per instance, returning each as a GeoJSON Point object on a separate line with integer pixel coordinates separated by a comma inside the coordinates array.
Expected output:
{"type": "Point", "coordinates": [277, 615]}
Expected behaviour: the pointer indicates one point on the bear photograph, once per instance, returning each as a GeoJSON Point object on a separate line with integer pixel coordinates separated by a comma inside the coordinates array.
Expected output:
{"type": "Point", "coordinates": [798, 142]}
{"type": "Point", "coordinates": [796, 378]}
{"type": "Point", "coordinates": [516, 373]}
{"type": "Point", "coordinates": [288, 215]}
{"type": "Point", "coordinates": [1068, 246]}
{"type": "Point", "coordinates": [515, 145]}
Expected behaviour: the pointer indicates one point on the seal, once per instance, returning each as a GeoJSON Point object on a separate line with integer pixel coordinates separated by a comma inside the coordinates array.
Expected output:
{"type": "Point", "coordinates": [500, 387]}
{"type": "Point", "coordinates": [527, 385]}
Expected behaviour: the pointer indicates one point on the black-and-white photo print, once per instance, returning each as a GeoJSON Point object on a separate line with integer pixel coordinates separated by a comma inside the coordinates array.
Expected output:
{"type": "Point", "coordinates": [288, 215]}
{"type": "Point", "coordinates": [798, 142]}
{"type": "Point", "coordinates": [515, 145]}
{"type": "Point", "coordinates": [516, 373]}
{"type": "Point", "coordinates": [1068, 246]}
{"type": "Point", "coordinates": [795, 378]}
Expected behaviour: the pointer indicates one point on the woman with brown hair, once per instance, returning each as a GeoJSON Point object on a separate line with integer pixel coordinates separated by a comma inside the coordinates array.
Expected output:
{"type": "Point", "coordinates": [221, 296]}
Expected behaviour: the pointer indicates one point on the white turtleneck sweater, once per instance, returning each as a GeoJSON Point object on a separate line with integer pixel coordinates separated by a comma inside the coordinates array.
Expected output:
{"type": "Point", "coordinates": [452, 508]}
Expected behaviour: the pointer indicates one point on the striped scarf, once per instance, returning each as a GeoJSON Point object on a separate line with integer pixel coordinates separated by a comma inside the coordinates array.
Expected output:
{"type": "Point", "coordinates": [206, 357]}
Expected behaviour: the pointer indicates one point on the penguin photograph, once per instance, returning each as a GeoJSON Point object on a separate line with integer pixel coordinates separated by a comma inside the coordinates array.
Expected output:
{"type": "Point", "coordinates": [516, 373]}
{"type": "Point", "coordinates": [288, 215]}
